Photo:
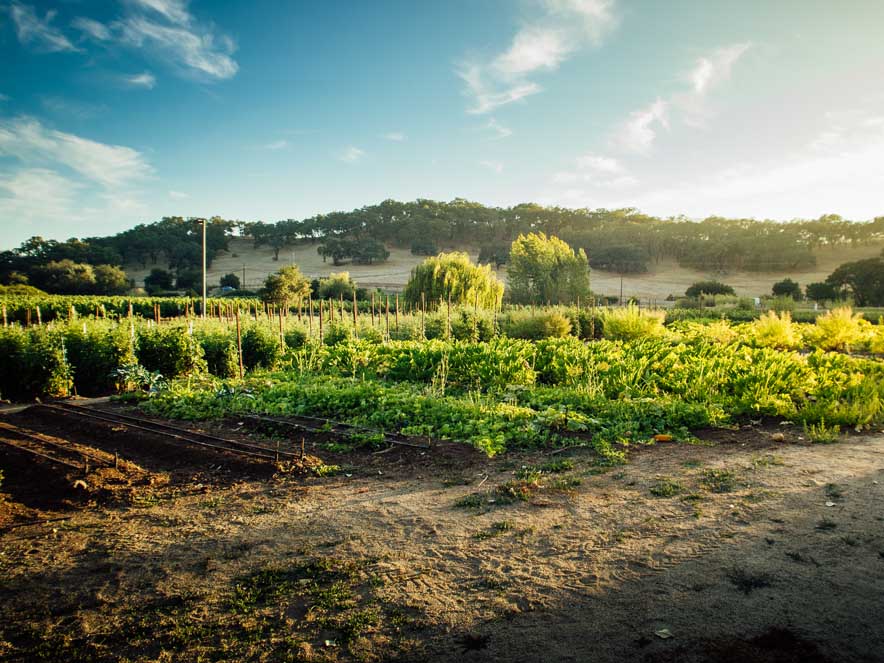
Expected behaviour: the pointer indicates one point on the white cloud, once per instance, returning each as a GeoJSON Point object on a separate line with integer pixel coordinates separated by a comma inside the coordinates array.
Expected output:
{"type": "Point", "coordinates": [597, 17]}
{"type": "Point", "coordinates": [598, 171]}
{"type": "Point", "coordinates": [499, 130]}
{"type": "Point", "coordinates": [178, 195]}
{"type": "Point", "coordinates": [485, 98]}
{"type": "Point", "coordinates": [34, 195]}
{"type": "Point", "coordinates": [277, 145]}
{"type": "Point", "coordinates": [534, 48]}
{"type": "Point", "coordinates": [145, 79]}
{"type": "Point", "coordinates": [185, 45]}
{"type": "Point", "coordinates": [637, 134]}
{"type": "Point", "coordinates": [351, 155]}
{"type": "Point", "coordinates": [596, 163]}
{"type": "Point", "coordinates": [711, 70]}
{"type": "Point", "coordinates": [92, 28]}
{"type": "Point", "coordinates": [540, 45]}
{"type": "Point", "coordinates": [33, 144]}
{"type": "Point", "coordinates": [37, 32]}
{"type": "Point", "coordinates": [495, 166]}
{"type": "Point", "coordinates": [396, 136]}
{"type": "Point", "coordinates": [173, 10]}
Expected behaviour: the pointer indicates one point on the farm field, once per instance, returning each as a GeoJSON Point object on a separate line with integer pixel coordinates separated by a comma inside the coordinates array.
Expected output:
{"type": "Point", "coordinates": [477, 486]}
{"type": "Point", "coordinates": [663, 279]}
{"type": "Point", "coordinates": [750, 544]}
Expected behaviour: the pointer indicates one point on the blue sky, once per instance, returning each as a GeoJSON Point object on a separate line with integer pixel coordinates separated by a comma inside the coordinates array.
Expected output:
{"type": "Point", "coordinates": [119, 112]}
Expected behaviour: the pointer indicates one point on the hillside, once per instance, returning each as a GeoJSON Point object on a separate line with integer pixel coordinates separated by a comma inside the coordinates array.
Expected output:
{"type": "Point", "coordinates": [664, 278]}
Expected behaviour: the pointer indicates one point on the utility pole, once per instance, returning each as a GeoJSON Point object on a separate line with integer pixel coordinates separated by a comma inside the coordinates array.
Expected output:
{"type": "Point", "coordinates": [204, 269]}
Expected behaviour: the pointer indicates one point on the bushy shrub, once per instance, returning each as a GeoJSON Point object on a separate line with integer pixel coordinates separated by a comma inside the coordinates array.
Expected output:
{"type": "Point", "coordinates": [95, 352]}
{"type": "Point", "coordinates": [260, 348]}
{"type": "Point", "coordinates": [776, 330]}
{"type": "Point", "coordinates": [839, 329]}
{"type": "Point", "coordinates": [171, 351]}
{"type": "Point", "coordinates": [524, 325]}
{"type": "Point", "coordinates": [33, 363]}
{"type": "Point", "coordinates": [337, 332]}
{"type": "Point", "coordinates": [631, 323]}
{"type": "Point", "coordinates": [295, 337]}
{"type": "Point", "coordinates": [467, 325]}
{"type": "Point", "coordinates": [219, 349]}
{"type": "Point", "coordinates": [708, 288]}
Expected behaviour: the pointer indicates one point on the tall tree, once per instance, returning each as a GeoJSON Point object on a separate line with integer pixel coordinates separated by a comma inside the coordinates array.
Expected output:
{"type": "Point", "coordinates": [453, 275]}
{"type": "Point", "coordinates": [545, 269]}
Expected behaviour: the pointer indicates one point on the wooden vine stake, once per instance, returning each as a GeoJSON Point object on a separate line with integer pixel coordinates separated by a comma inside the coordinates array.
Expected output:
{"type": "Point", "coordinates": [321, 306]}
{"type": "Point", "coordinates": [239, 343]}
{"type": "Point", "coordinates": [387, 319]}
{"type": "Point", "coordinates": [355, 317]}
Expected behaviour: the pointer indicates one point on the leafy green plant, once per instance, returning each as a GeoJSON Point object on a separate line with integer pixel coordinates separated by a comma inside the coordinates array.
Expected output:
{"type": "Point", "coordinates": [631, 323]}
{"type": "Point", "coordinates": [776, 330]}
{"type": "Point", "coordinates": [820, 433]}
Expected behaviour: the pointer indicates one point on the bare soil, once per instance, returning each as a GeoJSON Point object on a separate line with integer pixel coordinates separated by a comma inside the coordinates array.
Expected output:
{"type": "Point", "coordinates": [663, 278]}
{"type": "Point", "coordinates": [743, 547]}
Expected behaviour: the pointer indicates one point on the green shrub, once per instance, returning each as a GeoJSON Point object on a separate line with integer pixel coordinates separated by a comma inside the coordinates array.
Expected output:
{"type": "Point", "coordinates": [219, 350]}
{"type": "Point", "coordinates": [538, 326]}
{"type": "Point", "coordinates": [260, 348]}
{"type": "Point", "coordinates": [839, 329]}
{"type": "Point", "coordinates": [632, 323]}
{"type": "Point", "coordinates": [95, 352]}
{"type": "Point", "coordinates": [33, 363]}
{"type": "Point", "coordinates": [773, 330]}
{"type": "Point", "coordinates": [295, 337]}
{"type": "Point", "coordinates": [337, 332]}
{"type": "Point", "coordinates": [171, 351]}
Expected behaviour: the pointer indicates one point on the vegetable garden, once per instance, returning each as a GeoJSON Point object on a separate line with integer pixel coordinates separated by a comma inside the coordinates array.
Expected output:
{"type": "Point", "coordinates": [521, 377]}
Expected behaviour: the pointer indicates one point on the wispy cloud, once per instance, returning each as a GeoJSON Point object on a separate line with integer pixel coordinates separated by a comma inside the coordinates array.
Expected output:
{"type": "Point", "coordinates": [638, 132]}
{"type": "Point", "coordinates": [178, 195]}
{"type": "Point", "coordinates": [495, 166]}
{"type": "Point", "coordinates": [33, 196]}
{"type": "Point", "coordinates": [37, 32]}
{"type": "Point", "coordinates": [184, 43]}
{"type": "Point", "coordinates": [714, 69]}
{"type": "Point", "coordinates": [562, 28]}
{"type": "Point", "coordinates": [144, 80]}
{"type": "Point", "coordinates": [351, 155]}
{"type": "Point", "coordinates": [173, 10]}
{"type": "Point", "coordinates": [395, 136]}
{"type": "Point", "coordinates": [534, 48]}
{"type": "Point", "coordinates": [36, 145]}
{"type": "Point", "coordinates": [277, 145]}
{"type": "Point", "coordinates": [598, 171]}
{"type": "Point", "coordinates": [487, 98]}
{"type": "Point", "coordinates": [498, 129]}
{"type": "Point", "coordinates": [92, 28]}
{"type": "Point", "coordinates": [66, 107]}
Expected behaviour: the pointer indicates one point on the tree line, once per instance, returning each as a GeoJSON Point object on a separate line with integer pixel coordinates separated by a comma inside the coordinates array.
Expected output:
{"type": "Point", "coordinates": [620, 240]}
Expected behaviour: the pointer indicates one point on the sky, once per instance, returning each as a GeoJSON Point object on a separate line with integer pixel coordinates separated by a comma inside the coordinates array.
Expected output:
{"type": "Point", "coordinates": [119, 112]}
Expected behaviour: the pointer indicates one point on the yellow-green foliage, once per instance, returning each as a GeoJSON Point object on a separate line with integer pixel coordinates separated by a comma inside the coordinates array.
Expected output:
{"type": "Point", "coordinates": [839, 329]}
{"type": "Point", "coordinates": [875, 337]}
{"type": "Point", "coordinates": [523, 324]}
{"type": "Point", "coordinates": [454, 276]}
{"type": "Point", "coordinates": [776, 330]}
{"type": "Point", "coordinates": [631, 323]}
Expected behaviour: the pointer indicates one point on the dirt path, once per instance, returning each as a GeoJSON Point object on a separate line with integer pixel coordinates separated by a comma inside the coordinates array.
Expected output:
{"type": "Point", "coordinates": [743, 550]}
